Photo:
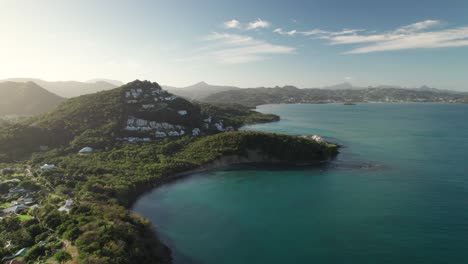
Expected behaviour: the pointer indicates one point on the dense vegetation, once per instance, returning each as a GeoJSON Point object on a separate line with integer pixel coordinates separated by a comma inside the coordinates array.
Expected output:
{"type": "Point", "coordinates": [289, 94]}
{"type": "Point", "coordinates": [102, 185]}
{"type": "Point", "coordinates": [26, 99]}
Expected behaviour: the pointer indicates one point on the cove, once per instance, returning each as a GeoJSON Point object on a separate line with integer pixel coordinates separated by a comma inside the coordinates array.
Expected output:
{"type": "Point", "coordinates": [397, 193]}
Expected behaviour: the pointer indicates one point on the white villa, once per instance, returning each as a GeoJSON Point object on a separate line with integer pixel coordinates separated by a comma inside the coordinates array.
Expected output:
{"type": "Point", "coordinates": [173, 134]}
{"type": "Point", "coordinates": [196, 132]}
{"type": "Point", "coordinates": [146, 106]}
{"type": "Point", "coordinates": [219, 126]}
{"type": "Point", "coordinates": [67, 206]}
{"type": "Point", "coordinates": [48, 167]}
{"type": "Point", "coordinates": [159, 134]}
{"type": "Point", "coordinates": [170, 98]}
{"type": "Point", "coordinates": [318, 139]}
{"type": "Point", "coordinates": [86, 150]}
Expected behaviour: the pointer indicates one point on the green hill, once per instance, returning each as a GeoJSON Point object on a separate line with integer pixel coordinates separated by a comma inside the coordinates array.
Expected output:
{"type": "Point", "coordinates": [26, 99]}
{"type": "Point", "coordinates": [132, 130]}
{"type": "Point", "coordinates": [137, 111]}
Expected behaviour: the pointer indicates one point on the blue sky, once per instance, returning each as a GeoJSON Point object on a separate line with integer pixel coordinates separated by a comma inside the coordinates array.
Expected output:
{"type": "Point", "coordinates": [243, 43]}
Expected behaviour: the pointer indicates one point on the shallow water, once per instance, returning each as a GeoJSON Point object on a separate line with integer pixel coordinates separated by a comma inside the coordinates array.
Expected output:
{"type": "Point", "coordinates": [398, 193]}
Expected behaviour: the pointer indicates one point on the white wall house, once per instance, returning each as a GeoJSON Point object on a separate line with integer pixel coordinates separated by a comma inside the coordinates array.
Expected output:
{"type": "Point", "coordinates": [48, 167]}
{"type": "Point", "coordinates": [196, 132]}
{"type": "Point", "coordinates": [182, 112]}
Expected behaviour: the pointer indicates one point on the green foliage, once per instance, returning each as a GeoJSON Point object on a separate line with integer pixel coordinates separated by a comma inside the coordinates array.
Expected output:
{"type": "Point", "coordinates": [62, 256]}
{"type": "Point", "coordinates": [236, 115]}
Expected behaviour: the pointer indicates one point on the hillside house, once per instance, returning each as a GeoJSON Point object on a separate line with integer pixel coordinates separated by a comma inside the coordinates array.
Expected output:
{"type": "Point", "coordinates": [182, 112]}
{"type": "Point", "coordinates": [147, 106]}
{"type": "Point", "coordinates": [86, 150]}
{"type": "Point", "coordinates": [141, 122]}
{"type": "Point", "coordinates": [173, 134]}
{"type": "Point", "coordinates": [219, 126]}
{"type": "Point", "coordinates": [48, 167]}
{"type": "Point", "coordinates": [67, 206]}
{"type": "Point", "coordinates": [159, 134]}
{"type": "Point", "coordinates": [318, 139]}
{"type": "Point", "coordinates": [196, 132]}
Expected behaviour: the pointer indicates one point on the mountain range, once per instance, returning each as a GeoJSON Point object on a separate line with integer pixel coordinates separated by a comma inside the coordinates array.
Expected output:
{"type": "Point", "coordinates": [70, 89]}
{"type": "Point", "coordinates": [26, 98]}
{"type": "Point", "coordinates": [340, 93]}
{"type": "Point", "coordinates": [199, 90]}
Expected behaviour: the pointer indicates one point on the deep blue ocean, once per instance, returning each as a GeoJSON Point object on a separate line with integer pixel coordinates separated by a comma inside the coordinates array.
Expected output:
{"type": "Point", "coordinates": [397, 193]}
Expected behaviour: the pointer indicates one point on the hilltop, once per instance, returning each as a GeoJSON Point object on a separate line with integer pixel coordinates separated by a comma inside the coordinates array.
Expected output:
{"type": "Point", "coordinates": [199, 90]}
{"type": "Point", "coordinates": [27, 98]}
{"type": "Point", "coordinates": [70, 89]}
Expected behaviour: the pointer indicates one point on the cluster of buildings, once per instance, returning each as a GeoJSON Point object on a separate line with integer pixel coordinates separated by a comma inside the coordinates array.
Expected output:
{"type": "Point", "coordinates": [160, 129]}
{"type": "Point", "coordinates": [154, 129]}
{"type": "Point", "coordinates": [20, 200]}
{"type": "Point", "coordinates": [134, 95]}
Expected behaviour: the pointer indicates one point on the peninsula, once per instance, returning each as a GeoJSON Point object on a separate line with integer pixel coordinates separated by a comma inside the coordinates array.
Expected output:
{"type": "Point", "coordinates": [70, 176]}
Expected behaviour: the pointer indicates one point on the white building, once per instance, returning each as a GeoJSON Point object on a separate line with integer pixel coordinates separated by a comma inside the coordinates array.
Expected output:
{"type": "Point", "coordinates": [182, 112]}
{"type": "Point", "coordinates": [170, 98]}
{"type": "Point", "coordinates": [173, 134]}
{"type": "Point", "coordinates": [141, 122]}
{"type": "Point", "coordinates": [196, 132]}
{"type": "Point", "coordinates": [318, 139]}
{"type": "Point", "coordinates": [48, 167]}
{"type": "Point", "coordinates": [146, 106]}
{"type": "Point", "coordinates": [67, 206]}
{"type": "Point", "coordinates": [86, 150]}
{"type": "Point", "coordinates": [208, 120]}
{"type": "Point", "coordinates": [160, 134]}
{"type": "Point", "coordinates": [219, 126]}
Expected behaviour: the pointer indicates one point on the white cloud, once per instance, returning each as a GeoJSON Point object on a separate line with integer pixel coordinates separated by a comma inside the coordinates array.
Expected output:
{"type": "Point", "coordinates": [234, 49]}
{"type": "Point", "coordinates": [418, 26]}
{"type": "Point", "coordinates": [413, 36]}
{"type": "Point", "coordinates": [232, 24]}
{"type": "Point", "coordinates": [258, 24]}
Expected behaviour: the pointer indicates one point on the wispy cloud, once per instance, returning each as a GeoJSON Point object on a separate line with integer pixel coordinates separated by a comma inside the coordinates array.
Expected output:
{"type": "Point", "coordinates": [234, 49]}
{"type": "Point", "coordinates": [232, 24]}
{"type": "Point", "coordinates": [256, 24]}
{"type": "Point", "coordinates": [317, 31]}
{"type": "Point", "coordinates": [423, 34]}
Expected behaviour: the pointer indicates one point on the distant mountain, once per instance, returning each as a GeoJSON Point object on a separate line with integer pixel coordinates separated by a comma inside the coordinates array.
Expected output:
{"type": "Point", "coordinates": [340, 86]}
{"type": "Point", "coordinates": [199, 90]}
{"type": "Point", "coordinates": [68, 89]}
{"type": "Point", "coordinates": [289, 94]}
{"type": "Point", "coordinates": [26, 98]}
{"type": "Point", "coordinates": [113, 82]}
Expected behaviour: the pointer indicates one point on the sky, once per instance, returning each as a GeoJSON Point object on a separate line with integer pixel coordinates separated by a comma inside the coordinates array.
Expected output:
{"type": "Point", "coordinates": [242, 43]}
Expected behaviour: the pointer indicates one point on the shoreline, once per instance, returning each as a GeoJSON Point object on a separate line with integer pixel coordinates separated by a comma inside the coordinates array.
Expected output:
{"type": "Point", "coordinates": [253, 157]}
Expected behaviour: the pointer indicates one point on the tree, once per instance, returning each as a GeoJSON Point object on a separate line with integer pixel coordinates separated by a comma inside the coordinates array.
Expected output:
{"type": "Point", "coordinates": [62, 256]}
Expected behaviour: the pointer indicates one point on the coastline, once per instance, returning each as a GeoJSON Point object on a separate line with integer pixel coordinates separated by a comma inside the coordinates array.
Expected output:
{"type": "Point", "coordinates": [252, 157]}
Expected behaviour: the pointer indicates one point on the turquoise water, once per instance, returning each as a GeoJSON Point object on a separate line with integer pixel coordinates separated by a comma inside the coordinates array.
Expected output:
{"type": "Point", "coordinates": [398, 193]}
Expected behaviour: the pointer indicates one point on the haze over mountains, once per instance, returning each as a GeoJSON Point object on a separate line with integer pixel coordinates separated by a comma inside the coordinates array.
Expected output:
{"type": "Point", "coordinates": [199, 90]}
{"type": "Point", "coordinates": [26, 98]}
{"type": "Point", "coordinates": [70, 89]}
